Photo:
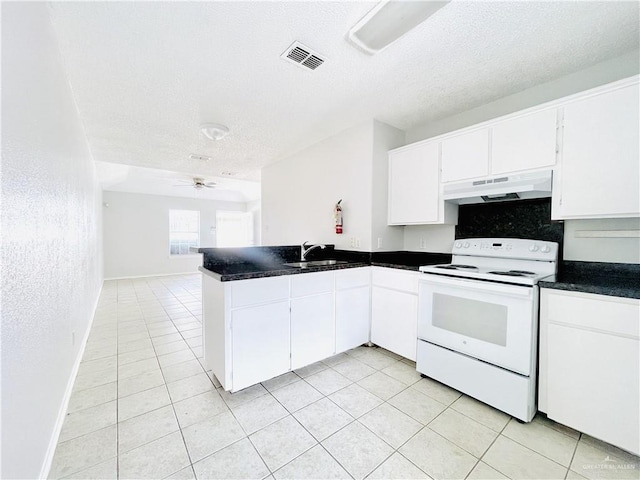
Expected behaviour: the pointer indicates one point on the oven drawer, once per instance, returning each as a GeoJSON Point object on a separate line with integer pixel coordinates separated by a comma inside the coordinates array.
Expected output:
{"type": "Point", "coordinates": [507, 391]}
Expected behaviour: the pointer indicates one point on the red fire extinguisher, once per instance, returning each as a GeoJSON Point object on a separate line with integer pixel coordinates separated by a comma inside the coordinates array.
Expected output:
{"type": "Point", "coordinates": [338, 216]}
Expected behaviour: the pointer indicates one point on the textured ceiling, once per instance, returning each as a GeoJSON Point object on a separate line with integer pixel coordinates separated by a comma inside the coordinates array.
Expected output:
{"type": "Point", "coordinates": [147, 74]}
{"type": "Point", "coordinates": [117, 177]}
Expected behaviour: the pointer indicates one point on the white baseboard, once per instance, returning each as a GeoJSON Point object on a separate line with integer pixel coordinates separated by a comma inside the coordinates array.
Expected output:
{"type": "Point", "coordinates": [155, 275]}
{"type": "Point", "coordinates": [62, 413]}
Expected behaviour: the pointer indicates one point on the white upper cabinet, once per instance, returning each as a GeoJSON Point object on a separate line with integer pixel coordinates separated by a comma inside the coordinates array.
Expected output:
{"type": "Point", "coordinates": [414, 187]}
{"type": "Point", "coordinates": [599, 168]}
{"type": "Point", "coordinates": [524, 143]}
{"type": "Point", "coordinates": [465, 156]}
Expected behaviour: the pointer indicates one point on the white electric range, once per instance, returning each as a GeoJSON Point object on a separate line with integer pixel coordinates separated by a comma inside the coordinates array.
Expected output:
{"type": "Point", "coordinates": [478, 320]}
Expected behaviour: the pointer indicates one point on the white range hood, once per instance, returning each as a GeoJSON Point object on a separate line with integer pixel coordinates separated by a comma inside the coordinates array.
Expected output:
{"type": "Point", "coordinates": [500, 189]}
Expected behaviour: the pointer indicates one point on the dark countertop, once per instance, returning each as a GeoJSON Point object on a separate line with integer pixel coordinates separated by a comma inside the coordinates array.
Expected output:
{"type": "Point", "coordinates": [229, 264]}
{"type": "Point", "coordinates": [246, 271]}
{"type": "Point", "coordinates": [611, 279]}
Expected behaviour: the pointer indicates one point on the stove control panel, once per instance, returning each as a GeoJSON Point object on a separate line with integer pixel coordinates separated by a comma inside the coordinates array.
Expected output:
{"type": "Point", "coordinates": [507, 248]}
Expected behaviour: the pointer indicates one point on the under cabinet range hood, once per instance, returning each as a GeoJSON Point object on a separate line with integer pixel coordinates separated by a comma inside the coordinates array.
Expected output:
{"type": "Point", "coordinates": [500, 189]}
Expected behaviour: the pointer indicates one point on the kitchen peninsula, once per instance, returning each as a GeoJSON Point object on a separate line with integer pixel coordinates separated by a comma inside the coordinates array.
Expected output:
{"type": "Point", "coordinates": [263, 318]}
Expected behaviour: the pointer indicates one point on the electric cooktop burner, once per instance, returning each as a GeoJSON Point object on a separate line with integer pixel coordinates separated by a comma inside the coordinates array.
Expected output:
{"type": "Point", "coordinates": [514, 273]}
{"type": "Point", "coordinates": [454, 266]}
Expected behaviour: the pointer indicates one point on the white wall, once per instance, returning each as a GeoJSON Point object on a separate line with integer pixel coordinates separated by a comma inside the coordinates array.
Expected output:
{"type": "Point", "coordinates": [577, 246]}
{"type": "Point", "coordinates": [255, 207]}
{"type": "Point", "coordinates": [136, 233]}
{"type": "Point", "coordinates": [439, 238]}
{"type": "Point", "coordinates": [385, 138]}
{"type": "Point", "coordinates": [299, 192]}
{"type": "Point", "coordinates": [51, 260]}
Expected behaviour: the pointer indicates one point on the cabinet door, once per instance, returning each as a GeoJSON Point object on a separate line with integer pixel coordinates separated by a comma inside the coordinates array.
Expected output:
{"type": "Point", "coordinates": [260, 343]}
{"type": "Point", "coordinates": [394, 321]}
{"type": "Point", "coordinates": [593, 384]}
{"type": "Point", "coordinates": [465, 156]}
{"type": "Point", "coordinates": [413, 185]}
{"type": "Point", "coordinates": [524, 143]}
{"type": "Point", "coordinates": [600, 171]}
{"type": "Point", "coordinates": [352, 318]}
{"type": "Point", "coordinates": [312, 329]}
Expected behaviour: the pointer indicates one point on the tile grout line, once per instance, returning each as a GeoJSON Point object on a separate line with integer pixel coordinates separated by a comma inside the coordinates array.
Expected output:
{"type": "Point", "coordinates": [539, 453]}
{"type": "Point", "coordinates": [173, 408]}
{"type": "Point", "coordinates": [573, 456]}
{"type": "Point", "coordinates": [180, 332]}
{"type": "Point", "coordinates": [486, 450]}
{"type": "Point", "coordinates": [117, 386]}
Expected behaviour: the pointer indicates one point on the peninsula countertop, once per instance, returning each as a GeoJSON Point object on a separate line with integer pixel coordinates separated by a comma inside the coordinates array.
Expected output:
{"type": "Point", "coordinates": [231, 264]}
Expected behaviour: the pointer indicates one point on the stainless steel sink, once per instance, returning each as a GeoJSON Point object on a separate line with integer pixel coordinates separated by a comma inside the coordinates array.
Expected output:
{"type": "Point", "coordinates": [315, 263]}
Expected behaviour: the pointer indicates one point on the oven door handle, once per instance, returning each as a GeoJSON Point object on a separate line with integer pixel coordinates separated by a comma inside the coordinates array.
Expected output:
{"type": "Point", "coordinates": [519, 291]}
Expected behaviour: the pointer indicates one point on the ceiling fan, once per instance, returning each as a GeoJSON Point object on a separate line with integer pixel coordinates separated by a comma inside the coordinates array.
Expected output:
{"type": "Point", "coordinates": [198, 183]}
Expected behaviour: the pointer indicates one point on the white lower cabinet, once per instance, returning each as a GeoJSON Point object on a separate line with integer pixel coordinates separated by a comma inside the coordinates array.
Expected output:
{"type": "Point", "coordinates": [352, 318]}
{"type": "Point", "coordinates": [590, 365]}
{"type": "Point", "coordinates": [260, 343]}
{"type": "Point", "coordinates": [394, 321]}
{"type": "Point", "coordinates": [312, 329]}
{"type": "Point", "coordinates": [258, 329]}
{"type": "Point", "coordinates": [394, 310]}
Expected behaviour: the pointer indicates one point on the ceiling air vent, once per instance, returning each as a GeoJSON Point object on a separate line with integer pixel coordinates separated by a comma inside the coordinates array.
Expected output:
{"type": "Point", "coordinates": [302, 56]}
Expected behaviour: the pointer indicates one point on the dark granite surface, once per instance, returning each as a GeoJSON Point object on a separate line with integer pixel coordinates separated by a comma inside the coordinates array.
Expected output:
{"type": "Point", "coordinates": [409, 259]}
{"type": "Point", "coordinates": [228, 264]}
{"type": "Point", "coordinates": [612, 279]}
{"type": "Point", "coordinates": [246, 271]}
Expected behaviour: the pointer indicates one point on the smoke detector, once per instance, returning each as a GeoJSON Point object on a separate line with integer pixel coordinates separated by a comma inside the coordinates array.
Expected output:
{"type": "Point", "coordinates": [302, 56]}
{"type": "Point", "coordinates": [213, 131]}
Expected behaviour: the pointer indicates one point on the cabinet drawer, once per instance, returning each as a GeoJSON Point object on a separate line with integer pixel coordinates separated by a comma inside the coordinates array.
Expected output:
{"type": "Point", "coordinates": [311, 283]}
{"type": "Point", "coordinates": [353, 277]}
{"type": "Point", "coordinates": [259, 290]}
{"type": "Point", "coordinates": [613, 315]}
{"type": "Point", "coordinates": [395, 279]}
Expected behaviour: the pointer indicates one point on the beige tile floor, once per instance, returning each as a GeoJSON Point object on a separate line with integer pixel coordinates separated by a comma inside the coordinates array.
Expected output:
{"type": "Point", "coordinates": [144, 407]}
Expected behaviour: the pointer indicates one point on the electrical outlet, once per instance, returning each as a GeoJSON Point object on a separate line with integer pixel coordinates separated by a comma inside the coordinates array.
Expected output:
{"type": "Point", "coordinates": [352, 241]}
{"type": "Point", "coordinates": [379, 242]}
{"type": "Point", "coordinates": [423, 244]}
{"type": "Point", "coordinates": [357, 242]}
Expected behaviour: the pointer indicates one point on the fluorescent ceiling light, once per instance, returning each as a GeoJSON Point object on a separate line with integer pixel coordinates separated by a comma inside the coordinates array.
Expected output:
{"type": "Point", "coordinates": [390, 20]}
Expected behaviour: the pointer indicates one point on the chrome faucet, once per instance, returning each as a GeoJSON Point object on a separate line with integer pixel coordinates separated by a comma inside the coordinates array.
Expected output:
{"type": "Point", "coordinates": [304, 250]}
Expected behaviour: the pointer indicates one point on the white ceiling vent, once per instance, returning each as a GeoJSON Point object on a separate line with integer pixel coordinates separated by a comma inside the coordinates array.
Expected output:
{"type": "Point", "coordinates": [302, 56]}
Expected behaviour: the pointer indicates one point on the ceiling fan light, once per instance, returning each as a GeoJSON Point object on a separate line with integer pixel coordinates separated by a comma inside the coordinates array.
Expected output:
{"type": "Point", "coordinates": [213, 131]}
{"type": "Point", "coordinates": [390, 20]}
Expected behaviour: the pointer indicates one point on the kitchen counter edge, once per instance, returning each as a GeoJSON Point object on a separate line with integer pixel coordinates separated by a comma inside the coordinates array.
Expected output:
{"type": "Point", "coordinates": [276, 272]}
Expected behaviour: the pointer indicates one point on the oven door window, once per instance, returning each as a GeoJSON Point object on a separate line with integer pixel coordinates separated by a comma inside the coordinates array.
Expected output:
{"type": "Point", "coordinates": [471, 318]}
{"type": "Point", "coordinates": [489, 321]}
